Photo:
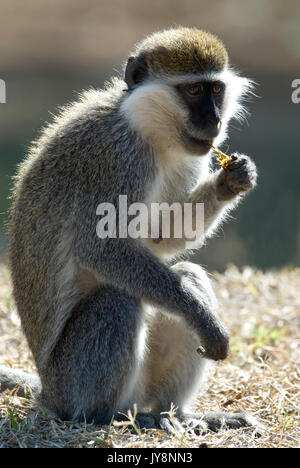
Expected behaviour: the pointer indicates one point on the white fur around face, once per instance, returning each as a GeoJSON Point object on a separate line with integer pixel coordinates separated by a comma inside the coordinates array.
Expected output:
{"type": "Point", "coordinates": [153, 111]}
{"type": "Point", "coordinates": [237, 87]}
{"type": "Point", "coordinates": [156, 113]}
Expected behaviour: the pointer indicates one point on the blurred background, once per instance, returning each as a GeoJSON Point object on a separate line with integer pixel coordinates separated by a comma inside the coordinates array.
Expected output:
{"type": "Point", "coordinates": [51, 50]}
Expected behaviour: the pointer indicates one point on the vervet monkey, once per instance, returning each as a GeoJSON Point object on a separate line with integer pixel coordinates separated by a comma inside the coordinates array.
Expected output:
{"type": "Point", "coordinates": [109, 322]}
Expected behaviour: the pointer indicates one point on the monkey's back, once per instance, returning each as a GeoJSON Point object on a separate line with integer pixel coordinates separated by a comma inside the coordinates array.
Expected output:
{"type": "Point", "coordinates": [40, 214]}
{"type": "Point", "coordinates": [44, 212]}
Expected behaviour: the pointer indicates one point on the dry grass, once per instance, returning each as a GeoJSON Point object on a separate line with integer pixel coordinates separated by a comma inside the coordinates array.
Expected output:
{"type": "Point", "coordinates": [261, 375]}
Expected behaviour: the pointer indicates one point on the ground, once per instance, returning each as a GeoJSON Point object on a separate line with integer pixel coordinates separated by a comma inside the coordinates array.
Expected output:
{"type": "Point", "coordinates": [261, 374]}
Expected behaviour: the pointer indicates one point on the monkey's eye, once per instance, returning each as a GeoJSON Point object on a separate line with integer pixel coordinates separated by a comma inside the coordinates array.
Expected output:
{"type": "Point", "coordinates": [195, 89]}
{"type": "Point", "coordinates": [217, 88]}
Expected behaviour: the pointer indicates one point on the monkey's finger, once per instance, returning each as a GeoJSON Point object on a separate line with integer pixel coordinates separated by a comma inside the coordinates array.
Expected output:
{"type": "Point", "coordinates": [201, 350]}
{"type": "Point", "coordinates": [171, 427]}
{"type": "Point", "coordinates": [236, 162]}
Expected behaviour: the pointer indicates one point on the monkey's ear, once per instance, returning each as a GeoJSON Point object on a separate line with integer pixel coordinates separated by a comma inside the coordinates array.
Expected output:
{"type": "Point", "coordinates": [136, 71]}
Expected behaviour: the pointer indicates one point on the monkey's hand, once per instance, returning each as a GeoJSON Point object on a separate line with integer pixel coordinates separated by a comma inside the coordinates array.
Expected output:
{"type": "Point", "coordinates": [239, 177]}
{"type": "Point", "coordinates": [214, 340]}
{"type": "Point", "coordinates": [202, 315]}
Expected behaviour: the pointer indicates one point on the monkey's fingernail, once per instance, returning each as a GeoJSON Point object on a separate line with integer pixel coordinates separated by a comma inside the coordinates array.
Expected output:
{"type": "Point", "coordinates": [201, 350]}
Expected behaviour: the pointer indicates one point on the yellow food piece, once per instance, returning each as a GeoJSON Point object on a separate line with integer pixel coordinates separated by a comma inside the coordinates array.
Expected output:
{"type": "Point", "coordinates": [223, 159]}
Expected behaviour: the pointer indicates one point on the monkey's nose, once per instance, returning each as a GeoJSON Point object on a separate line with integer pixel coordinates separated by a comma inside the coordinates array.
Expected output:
{"type": "Point", "coordinates": [215, 122]}
{"type": "Point", "coordinates": [212, 128]}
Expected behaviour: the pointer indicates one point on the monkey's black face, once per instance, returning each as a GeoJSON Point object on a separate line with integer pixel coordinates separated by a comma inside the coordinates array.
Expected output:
{"type": "Point", "coordinates": [204, 101]}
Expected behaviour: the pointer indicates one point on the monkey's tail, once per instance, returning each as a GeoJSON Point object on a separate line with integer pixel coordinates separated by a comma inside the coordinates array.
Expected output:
{"type": "Point", "coordinates": [28, 385]}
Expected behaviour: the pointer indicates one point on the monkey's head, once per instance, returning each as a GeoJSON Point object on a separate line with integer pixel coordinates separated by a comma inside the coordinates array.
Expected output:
{"type": "Point", "coordinates": [181, 92]}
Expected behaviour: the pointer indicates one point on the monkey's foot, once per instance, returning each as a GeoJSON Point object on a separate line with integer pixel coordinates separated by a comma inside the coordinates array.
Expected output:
{"type": "Point", "coordinates": [198, 423]}
{"type": "Point", "coordinates": [214, 421]}
{"type": "Point", "coordinates": [171, 425]}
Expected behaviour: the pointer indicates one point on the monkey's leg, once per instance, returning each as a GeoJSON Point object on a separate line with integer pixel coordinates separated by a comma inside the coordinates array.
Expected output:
{"type": "Point", "coordinates": [174, 369]}
{"type": "Point", "coordinates": [175, 372]}
{"type": "Point", "coordinates": [173, 366]}
{"type": "Point", "coordinates": [93, 371]}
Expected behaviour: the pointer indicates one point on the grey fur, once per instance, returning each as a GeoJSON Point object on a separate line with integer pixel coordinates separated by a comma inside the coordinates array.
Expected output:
{"type": "Point", "coordinates": [83, 301]}
{"type": "Point", "coordinates": [28, 384]}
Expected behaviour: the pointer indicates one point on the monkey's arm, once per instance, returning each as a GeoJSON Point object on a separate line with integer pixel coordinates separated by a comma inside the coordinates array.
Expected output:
{"type": "Point", "coordinates": [215, 206]}
{"type": "Point", "coordinates": [222, 191]}
{"type": "Point", "coordinates": [219, 194]}
{"type": "Point", "coordinates": [127, 264]}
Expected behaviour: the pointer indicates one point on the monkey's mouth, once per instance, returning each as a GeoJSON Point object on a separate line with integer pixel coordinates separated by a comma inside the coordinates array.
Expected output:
{"type": "Point", "coordinates": [202, 141]}
{"type": "Point", "coordinates": [199, 145]}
